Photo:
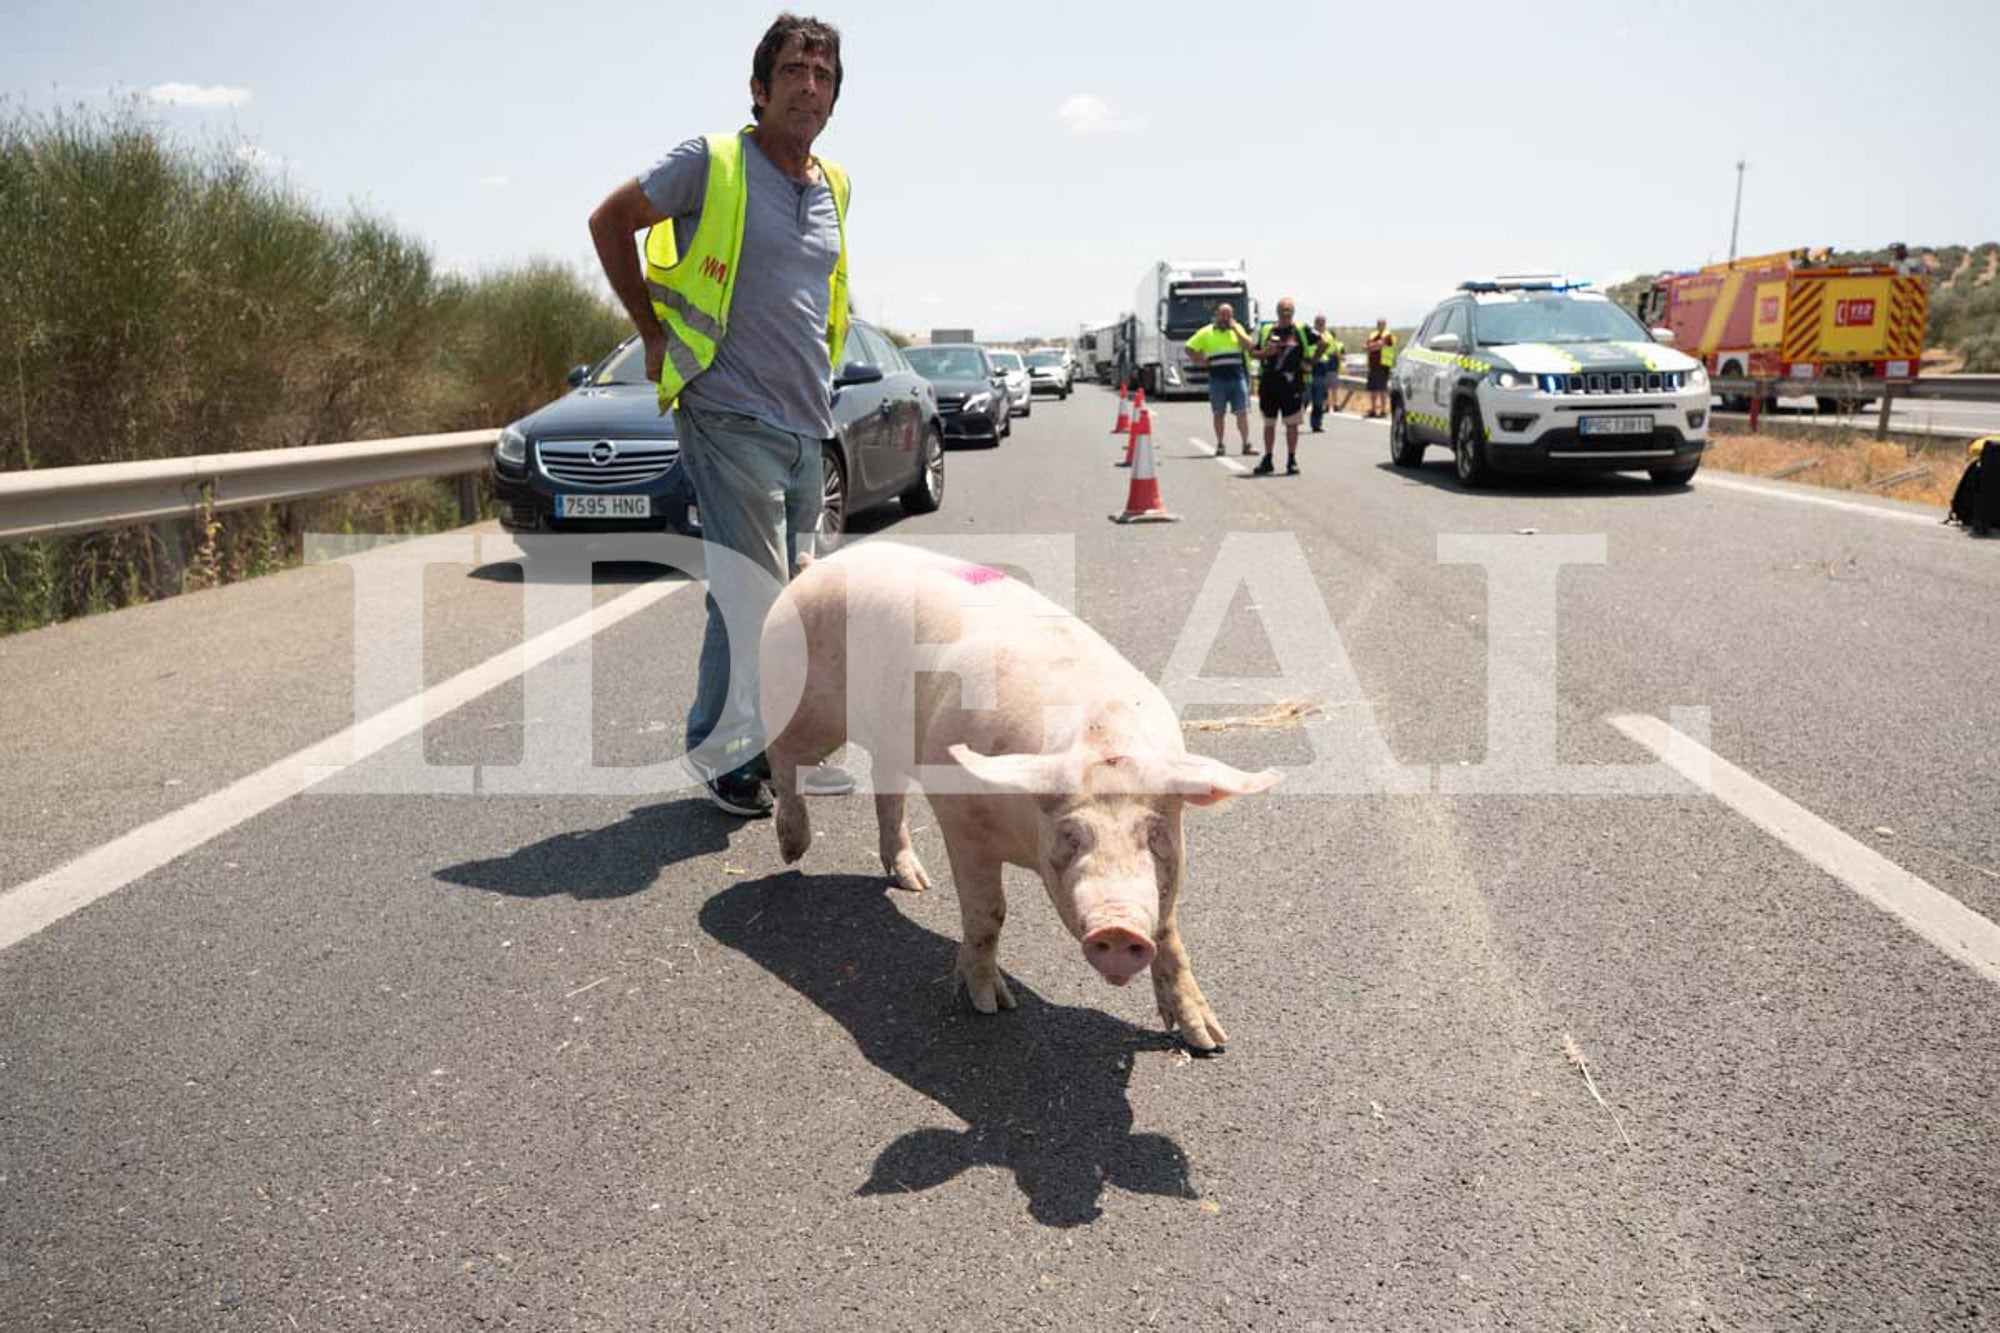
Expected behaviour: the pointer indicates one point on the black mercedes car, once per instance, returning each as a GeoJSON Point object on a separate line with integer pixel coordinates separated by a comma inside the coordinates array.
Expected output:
{"type": "Point", "coordinates": [971, 390]}
{"type": "Point", "coordinates": [602, 458]}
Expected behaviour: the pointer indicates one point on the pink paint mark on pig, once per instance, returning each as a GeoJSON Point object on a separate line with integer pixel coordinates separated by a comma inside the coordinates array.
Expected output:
{"type": "Point", "coordinates": [979, 574]}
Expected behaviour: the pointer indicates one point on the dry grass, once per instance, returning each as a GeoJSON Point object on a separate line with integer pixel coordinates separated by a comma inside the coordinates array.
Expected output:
{"type": "Point", "coordinates": [1844, 461]}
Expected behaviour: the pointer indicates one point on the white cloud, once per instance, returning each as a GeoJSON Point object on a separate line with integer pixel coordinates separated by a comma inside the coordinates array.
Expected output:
{"type": "Point", "coordinates": [261, 158]}
{"type": "Point", "coordinates": [1085, 114]}
{"type": "Point", "coordinates": [494, 182]}
{"type": "Point", "coordinates": [187, 94]}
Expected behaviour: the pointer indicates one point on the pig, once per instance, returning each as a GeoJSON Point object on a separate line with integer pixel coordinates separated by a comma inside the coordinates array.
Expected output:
{"type": "Point", "coordinates": [1087, 794]}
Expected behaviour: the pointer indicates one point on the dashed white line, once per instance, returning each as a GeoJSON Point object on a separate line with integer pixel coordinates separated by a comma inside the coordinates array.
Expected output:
{"type": "Point", "coordinates": [1208, 450]}
{"type": "Point", "coordinates": [41, 902]}
{"type": "Point", "coordinates": [1926, 911]}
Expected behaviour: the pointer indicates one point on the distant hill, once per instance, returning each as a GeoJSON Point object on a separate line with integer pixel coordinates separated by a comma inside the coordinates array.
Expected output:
{"type": "Point", "coordinates": [1964, 329]}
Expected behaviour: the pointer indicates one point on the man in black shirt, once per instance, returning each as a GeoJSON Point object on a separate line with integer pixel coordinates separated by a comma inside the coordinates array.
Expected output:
{"type": "Point", "coordinates": [1283, 349]}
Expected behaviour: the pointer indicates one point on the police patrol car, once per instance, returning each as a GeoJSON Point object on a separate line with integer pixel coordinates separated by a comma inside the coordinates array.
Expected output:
{"type": "Point", "coordinates": [1532, 373]}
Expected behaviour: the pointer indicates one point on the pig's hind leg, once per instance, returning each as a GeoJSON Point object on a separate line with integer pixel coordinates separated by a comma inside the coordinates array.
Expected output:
{"type": "Point", "coordinates": [899, 858]}
{"type": "Point", "coordinates": [982, 910]}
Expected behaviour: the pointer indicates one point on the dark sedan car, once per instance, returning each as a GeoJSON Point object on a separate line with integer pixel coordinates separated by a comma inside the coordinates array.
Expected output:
{"type": "Point", "coordinates": [971, 391]}
{"type": "Point", "coordinates": [602, 458]}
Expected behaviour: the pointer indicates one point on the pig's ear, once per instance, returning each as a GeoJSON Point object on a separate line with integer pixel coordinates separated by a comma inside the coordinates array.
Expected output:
{"type": "Point", "coordinates": [1205, 781]}
{"type": "Point", "coordinates": [1017, 774]}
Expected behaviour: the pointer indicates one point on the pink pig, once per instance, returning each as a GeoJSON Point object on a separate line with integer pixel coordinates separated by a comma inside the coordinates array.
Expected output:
{"type": "Point", "coordinates": [1059, 757]}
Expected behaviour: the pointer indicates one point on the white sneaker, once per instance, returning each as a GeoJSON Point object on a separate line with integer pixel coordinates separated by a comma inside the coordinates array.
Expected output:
{"type": "Point", "coordinates": [825, 780]}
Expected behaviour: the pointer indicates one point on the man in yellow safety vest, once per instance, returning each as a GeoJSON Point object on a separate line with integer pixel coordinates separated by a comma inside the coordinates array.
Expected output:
{"type": "Point", "coordinates": [1224, 348]}
{"type": "Point", "coordinates": [742, 306]}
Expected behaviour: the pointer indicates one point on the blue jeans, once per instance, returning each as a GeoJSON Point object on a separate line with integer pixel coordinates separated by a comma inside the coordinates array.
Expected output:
{"type": "Point", "coordinates": [759, 490]}
{"type": "Point", "coordinates": [1228, 391]}
{"type": "Point", "coordinates": [1319, 383]}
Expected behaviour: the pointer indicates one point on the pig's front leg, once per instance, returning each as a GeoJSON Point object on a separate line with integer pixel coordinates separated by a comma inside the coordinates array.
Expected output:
{"type": "Point", "coordinates": [899, 858]}
{"type": "Point", "coordinates": [982, 910]}
{"type": "Point", "coordinates": [1183, 1008]}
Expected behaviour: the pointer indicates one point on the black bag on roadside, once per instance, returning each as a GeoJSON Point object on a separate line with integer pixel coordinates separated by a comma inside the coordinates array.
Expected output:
{"type": "Point", "coordinates": [1976, 502]}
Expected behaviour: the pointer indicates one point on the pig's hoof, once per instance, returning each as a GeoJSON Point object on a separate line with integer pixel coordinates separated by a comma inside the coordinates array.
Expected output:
{"type": "Point", "coordinates": [908, 873]}
{"type": "Point", "coordinates": [987, 990]}
{"type": "Point", "coordinates": [795, 832]}
{"type": "Point", "coordinates": [1196, 1026]}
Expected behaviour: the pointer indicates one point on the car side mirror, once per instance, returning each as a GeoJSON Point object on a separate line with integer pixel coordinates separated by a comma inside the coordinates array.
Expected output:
{"type": "Point", "coordinates": [1446, 342]}
{"type": "Point", "coordinates": [1663, 334]}
{"type": "Point", "coordinates": [576, 377]}
{"type": "Point", "coordinates": [857, 372]}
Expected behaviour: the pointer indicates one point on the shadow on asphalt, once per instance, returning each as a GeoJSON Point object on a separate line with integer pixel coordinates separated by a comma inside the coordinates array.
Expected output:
{"type": "Point", "coordinates": [1596, 485]}
{"type": "Point", "coordinates": [611, 862]}
{"type": "Point", "coordinates": [1042, 1090]}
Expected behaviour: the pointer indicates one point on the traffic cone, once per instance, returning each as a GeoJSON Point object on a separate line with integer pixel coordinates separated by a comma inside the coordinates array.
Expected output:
{"type": "Point", "coordinates": [1124, 419]}
{"type": "Point", "coordinates": [1131, 442]}
{"type": "Point", "coordinates": [1142, 497]}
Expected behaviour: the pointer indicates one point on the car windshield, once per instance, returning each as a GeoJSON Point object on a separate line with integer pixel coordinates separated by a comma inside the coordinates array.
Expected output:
{"type": "Point", "coordinates": [1007, 360]}
{"type": "Point", "coordinates": [1555, 319]}
{"type": "Point", "coordinates": [627, 365]}
{"type": "Point", "coordinates": [946, 363]}
{"type": "Point", "coordinates": [1045, 358]}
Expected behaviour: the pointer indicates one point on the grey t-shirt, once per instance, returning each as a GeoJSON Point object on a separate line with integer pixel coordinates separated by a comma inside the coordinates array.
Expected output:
{"type": "Point", "coordinates": [772, 364]}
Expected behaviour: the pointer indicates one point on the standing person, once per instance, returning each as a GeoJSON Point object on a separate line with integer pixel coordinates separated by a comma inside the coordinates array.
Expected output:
{"type": "Point", "coordinates": [1282, 348]}
{"type": "Point", "coordinates": [1381, 355]}
{"type": "Point", "coordinates": [742, 306]}
{"type": "Point", "coordinates": [1224, 347]}
{"type": "Point", "coordinates": [1322, 358]}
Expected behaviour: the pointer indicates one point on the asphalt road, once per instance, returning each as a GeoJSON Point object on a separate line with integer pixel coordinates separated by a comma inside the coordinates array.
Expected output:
{"type": "Point", "coordinates": [412, 1059]}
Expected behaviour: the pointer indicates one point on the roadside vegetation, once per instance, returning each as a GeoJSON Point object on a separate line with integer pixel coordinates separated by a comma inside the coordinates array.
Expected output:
{"type": "Point", "coordinates": [1922, 469]}
{"type": "Point", "coordinates": [165, 299]}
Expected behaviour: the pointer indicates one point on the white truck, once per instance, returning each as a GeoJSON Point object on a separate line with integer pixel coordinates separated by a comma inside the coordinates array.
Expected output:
{"type": "Point", "coordinates": [1097, 351]}
{"type": "Point", "coordinates": [1175, 298]}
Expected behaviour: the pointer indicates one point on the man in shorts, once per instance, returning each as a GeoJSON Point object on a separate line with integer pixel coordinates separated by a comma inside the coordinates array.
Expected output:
{"type": "Point", "coordinates": [1380, 345]}
{"type": "Point", "coordinates": [1285, 349]}
{"type": "Point", "coordinates": [1224, 348]}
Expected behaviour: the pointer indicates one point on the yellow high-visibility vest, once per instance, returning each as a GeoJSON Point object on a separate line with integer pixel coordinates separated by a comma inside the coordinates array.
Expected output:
{"type": "Point", "coordinates": [691, 292]}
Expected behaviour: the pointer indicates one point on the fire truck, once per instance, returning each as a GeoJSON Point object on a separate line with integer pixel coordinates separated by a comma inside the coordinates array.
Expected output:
{"type": "Point", "coordinates": [1794, 316]}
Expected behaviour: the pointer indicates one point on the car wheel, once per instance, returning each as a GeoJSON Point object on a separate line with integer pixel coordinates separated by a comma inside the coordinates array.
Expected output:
{"type": "Point", "coordinates": [1006, 426]}
{"type": "Point", "coordinates": [926, 493]}
{"type": "Point", "coordinates": [833, 501]}
{"type": "Point", "coordinates": [1403, 451]}
{"type": "Point", "coordinates": [1673, 476]}
{"type": "Point", "coordinates": [1468, 451]}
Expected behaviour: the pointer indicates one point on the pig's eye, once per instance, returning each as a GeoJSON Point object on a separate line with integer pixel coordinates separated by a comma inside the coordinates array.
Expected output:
{"type": "Point", "coordinates": [1071, 840]}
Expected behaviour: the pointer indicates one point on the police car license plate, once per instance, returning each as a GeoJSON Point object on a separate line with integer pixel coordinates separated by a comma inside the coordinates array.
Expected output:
{"type": "Point", "coordinates": [1615, 426]}
{"type": "Point", "coordinates": [604, 506]}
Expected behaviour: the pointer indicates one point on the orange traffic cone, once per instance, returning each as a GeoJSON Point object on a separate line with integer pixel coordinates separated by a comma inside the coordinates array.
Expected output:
{"type": "Point", "coordinates": [1124, 419]}
{"type": "Point", "coordinates": [1142, 497]}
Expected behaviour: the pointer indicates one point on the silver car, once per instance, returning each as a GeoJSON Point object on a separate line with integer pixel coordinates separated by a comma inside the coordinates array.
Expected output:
{"type": "Point", "coordinates": [1048, 371]}
{"type": "Point", "coordinates": [1020, 388]}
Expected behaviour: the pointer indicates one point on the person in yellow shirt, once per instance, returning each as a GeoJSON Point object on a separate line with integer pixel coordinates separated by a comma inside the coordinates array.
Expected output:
{"type": "Point", "coordinates": [1224, 347]}
{"type": "Point", "coordinates": [1381, 355]}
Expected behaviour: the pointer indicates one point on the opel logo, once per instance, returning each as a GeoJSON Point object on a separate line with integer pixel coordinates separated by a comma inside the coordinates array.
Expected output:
{"type": "Point", "coordinates": [602, 453]}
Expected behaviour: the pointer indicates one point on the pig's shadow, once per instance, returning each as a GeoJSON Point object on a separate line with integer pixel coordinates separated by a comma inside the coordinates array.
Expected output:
{"type": "Point", "coordinates": [1041, 1090]}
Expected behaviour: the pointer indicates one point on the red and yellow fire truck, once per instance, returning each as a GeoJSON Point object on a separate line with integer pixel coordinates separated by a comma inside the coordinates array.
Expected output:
{"type": "Point", "coordinates": [1795, 316]}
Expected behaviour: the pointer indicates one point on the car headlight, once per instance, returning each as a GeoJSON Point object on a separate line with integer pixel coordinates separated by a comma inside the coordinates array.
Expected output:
{"type": "Point", "coordinates": [1697, 378]}
{"type": "Point", "coordinates": [513, 447]}
{"type": "Point", "coordinates": [979, 402]}
{"type": "Point", "coordinates": [1516, 379]}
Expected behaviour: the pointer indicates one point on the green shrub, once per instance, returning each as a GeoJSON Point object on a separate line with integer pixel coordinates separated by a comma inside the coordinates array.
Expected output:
{"type": "Point", "coordinates": [165, 299]}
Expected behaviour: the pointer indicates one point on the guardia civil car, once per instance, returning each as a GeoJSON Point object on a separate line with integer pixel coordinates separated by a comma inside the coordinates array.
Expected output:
{"type": "Point", "coordinates": [1535, 374]}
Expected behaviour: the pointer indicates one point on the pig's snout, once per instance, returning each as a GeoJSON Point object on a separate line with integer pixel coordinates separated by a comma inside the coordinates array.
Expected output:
{"type": "Point", "coordinates": [1118, 952]}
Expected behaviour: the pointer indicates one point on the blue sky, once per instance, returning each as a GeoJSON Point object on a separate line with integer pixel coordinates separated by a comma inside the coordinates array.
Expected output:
{"type": "Point", "coordinates": [1018, 166]}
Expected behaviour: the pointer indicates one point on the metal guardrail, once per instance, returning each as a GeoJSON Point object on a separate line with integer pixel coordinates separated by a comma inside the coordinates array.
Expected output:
{"type": "Point", "coordinates": [46, 502]}
{"type": "Point", "coordinates": [1855, 389]}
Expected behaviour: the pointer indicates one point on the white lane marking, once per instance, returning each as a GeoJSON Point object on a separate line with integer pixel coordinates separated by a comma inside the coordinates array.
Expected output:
{"type": "Point", "coordinates": [1928, 912]}
{"type": "Point", "coordinates": [1708, 478]}
{"type": "Point", "coordinates": [1224, 459]}
{"type": "Point", "coordinates": [28, 908]}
